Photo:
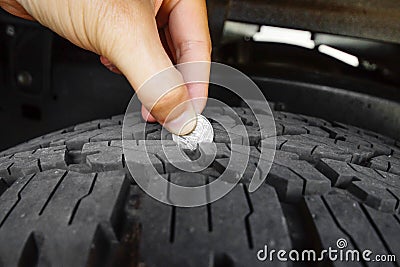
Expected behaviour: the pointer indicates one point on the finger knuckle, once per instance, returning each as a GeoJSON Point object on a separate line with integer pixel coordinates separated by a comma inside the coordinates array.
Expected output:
{"type": "Point", "coordinates": [188, 46]}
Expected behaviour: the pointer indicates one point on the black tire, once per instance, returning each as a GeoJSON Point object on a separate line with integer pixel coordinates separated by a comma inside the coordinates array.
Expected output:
{"type": "Point", "coordinates": [68, 200]}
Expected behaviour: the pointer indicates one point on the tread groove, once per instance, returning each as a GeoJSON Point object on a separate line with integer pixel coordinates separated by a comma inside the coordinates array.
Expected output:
{"type": "Point", "coordinates": [376, 229]}
{"type": "Point", "coordinates": [208, 207]}
{"type": "Point", "coordinates": [308, 131]}
{"type": "Point", "coordinates": [396, 217]}
{"type": "Point", "coordinates": [52, 193]}
{"type": "Point", "coordinates": [352, 167]}
{"type": "Point", "coordinates": [313, 150]}
{"type": "Point", "coordinates": [75, 209]}
{"type": "Point", "coordinates": [303, 190]}
{"type": "Point", "coordinates": [123, 161]}
{"type": "Point", "coordinates": [162, 163]}
{"type": "Point", "coordinates": [380, 174]}
{"type": "Point", "coordinates": [389, 166]}
{"type": "Point", "coordinates": [39, 165]}
{"type": "Point", "coordinates": [172, 225]}
{"type": "Point", "coordinates": [9, 168]}
{"type": "Point", "coordinates": [283, 129]}
{"type": "Point", "coordinates": [172, 213]}
{"type": "Point", "coordinates": [247, 217]}
{"type": "Point", "coordinates": [396, 197]}
{"type": "Point", "coordinates": [340, 226]}
{"type": "Point", "coordinates": [281, 145]}
{"type": "Point", "coordinates": [18, 200]}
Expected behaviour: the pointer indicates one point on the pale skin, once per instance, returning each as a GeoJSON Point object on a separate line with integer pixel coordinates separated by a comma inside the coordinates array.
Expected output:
{"type": "Point", "coordinates": [137, 38]}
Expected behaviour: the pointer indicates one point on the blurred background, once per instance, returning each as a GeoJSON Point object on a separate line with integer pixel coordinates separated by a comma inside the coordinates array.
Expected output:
{"type": "Point", "coordinates": [338, 60]}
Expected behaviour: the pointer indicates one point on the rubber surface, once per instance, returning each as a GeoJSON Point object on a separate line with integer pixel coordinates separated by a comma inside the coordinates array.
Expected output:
{"type": "Point", "coordinates": [67, 198]}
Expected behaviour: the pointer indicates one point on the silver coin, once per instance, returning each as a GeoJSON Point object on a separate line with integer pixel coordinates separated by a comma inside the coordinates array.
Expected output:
{"type": "Point", "coordinates": [203, 133]}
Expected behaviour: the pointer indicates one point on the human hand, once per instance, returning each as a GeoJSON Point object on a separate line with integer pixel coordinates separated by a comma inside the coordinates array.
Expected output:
{"type": "Point", "coordinates": [138, 38]}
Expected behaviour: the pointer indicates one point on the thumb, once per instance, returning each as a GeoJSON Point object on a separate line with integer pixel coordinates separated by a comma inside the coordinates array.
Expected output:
{"type": "Point", "coordinates": [140, 56]}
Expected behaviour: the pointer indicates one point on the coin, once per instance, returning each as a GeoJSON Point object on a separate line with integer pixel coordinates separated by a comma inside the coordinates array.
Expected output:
{"type": "Point", "coordinates": [203, 133]}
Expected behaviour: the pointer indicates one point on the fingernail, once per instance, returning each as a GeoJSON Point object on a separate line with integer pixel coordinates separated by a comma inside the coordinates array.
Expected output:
{"type": "Point", "coordinates": [183, 124]}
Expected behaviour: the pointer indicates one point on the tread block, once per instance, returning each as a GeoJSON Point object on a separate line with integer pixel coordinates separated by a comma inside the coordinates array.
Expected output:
{"type": "Point", "coordinates": [107, 123]}
{"type": "Point", "coordinates": [327, 231]}
{"type": "Point", "coordinates": [253, 135]}
{"type": "Point", "coordinates": [235, 173]}
{"type": "Point", "coordinates": [77, 142]}
{"type": "Point", "coordinates": [131, 119]}
{"type": "Point", "coordinates": [107, 194]}
{"type": "Point", "coordinates": [289, 129]}
{"type": "Point", "coordinates": [340, 173]}
{"type": "Point", "coordinates": [374, 195]}
{"type": "Point", "coordinates": [235, 205]}
{"type": "Point", "coordinates": [388, 227]}
{"type": "Point", "coordinates": [312, 121]}
{"type": "Point", "coordinates": [313, 130]}
{"type": "Point", "coordinates": [87, 126]}
{"type": "Point", "coordinates": [248, 119]}
{"type": "Point", "coordinates": [61, 139]}
{"type": "Point", "coordinates": [315, 182]}
{"type": "Point", "coordinates": [108, 136]}
{"type": "Point", "coordinates": [368, 186]}
{"type": "Point", "coordinates": [253, 151]}
{"type": "Point", "coordinates": [259, 106]}
{"type": "Point", "coordinates": [213, 111]}
{"type": "Point", "coordinates": [320, 140]}
{"type": "Point", "coordinates": [107, 159]}
{"type": "Point", "coordinates": [94, 147]}
{"type": "Point", "coordinates": [31, 201]}
{"type": "Point", "coordinates": [100, 206]}
{"type": "Point", "coordinates": [386, 163]}
{"type": "Point", "coordinates": [156, 220]}
{"type": "Point", "coordinates": [267, 222]}
{"type": "Point", "coordinates": [143, 163]}
{"type": "Point", "coordinates": [24, 166]}
{"type": "Point", "coordinates": [390, 180]}
{"type": "Point", "coordinates": [28, 162]}
{"type": "Point", "coordinates": [268, 127]}
{"type": "Point", "coordinates": [353, 221]}
{"type": "Point", "coordinates": [174, 158]}
{"type": "Point", "coordinates": [303, 149]}
{"type": "Point", "coordinates": [157, 143]}
{"type": "Point", "coordinates": [288, 185]}
{"type": "Point", "coordinates": [156, 135]}
{"type": "Point", "coordinates": [52, 158]}
{"type": "Point", "coordinates": [180, 227]}
{"type": "Point", "coordinates": [222, 136]}
{"type": "Point", "coordinates": [323, 151]}
{"type": "Point", "coordinates": [12, 196]}
{"type": "Point", "coordinates": [5, 163]}
{"type": "Point", "coordinates": [381, 149]}
{"type": "Point", "coordinates": [225, 120]}
{"type": "Point", "coordinates": [223, 150]}
{"type": "Point", "coordinates": [190, 224]}
{"type": "Point", "coordinates": [269, 133]}
{"type": "Point", "coordinates": [267, 143]}
{"type": "Point", "coordinates": [283, 156]}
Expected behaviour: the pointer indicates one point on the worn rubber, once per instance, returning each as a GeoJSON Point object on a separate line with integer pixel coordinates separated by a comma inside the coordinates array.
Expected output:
{"type": "Point", "coordinates": [67, 198]}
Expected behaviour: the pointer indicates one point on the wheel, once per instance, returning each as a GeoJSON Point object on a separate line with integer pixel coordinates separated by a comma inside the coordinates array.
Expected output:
{"type": "Point", "coordinates": [67, 198]}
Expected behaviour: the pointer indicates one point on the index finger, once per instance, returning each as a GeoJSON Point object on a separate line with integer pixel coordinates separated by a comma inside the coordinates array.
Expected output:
{"type": "Point", "coordinates": [190, 35]}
